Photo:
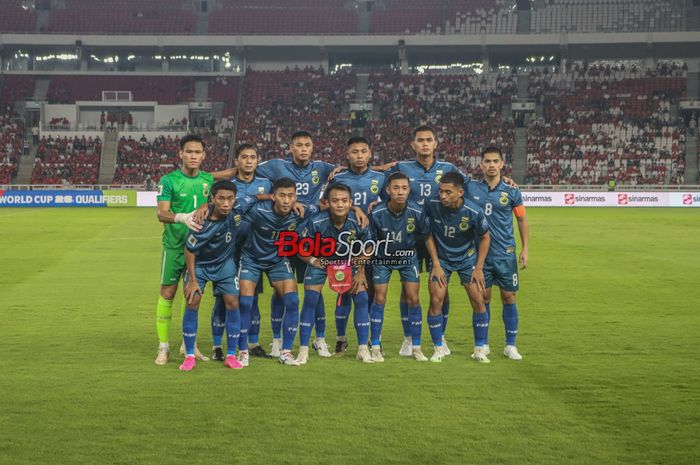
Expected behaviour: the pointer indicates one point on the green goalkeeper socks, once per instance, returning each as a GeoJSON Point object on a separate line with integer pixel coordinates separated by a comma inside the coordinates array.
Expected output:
{"type": "Point", "coordinates": [164, 314]}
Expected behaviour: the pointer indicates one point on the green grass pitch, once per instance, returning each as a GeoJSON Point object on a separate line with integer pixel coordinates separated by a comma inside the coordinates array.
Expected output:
{"type": "Point", "coordinates": [609, 332]}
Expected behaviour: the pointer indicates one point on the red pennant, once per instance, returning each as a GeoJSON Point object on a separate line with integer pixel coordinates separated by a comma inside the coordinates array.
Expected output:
{"type": "Point", "coordinates": [339, 278]}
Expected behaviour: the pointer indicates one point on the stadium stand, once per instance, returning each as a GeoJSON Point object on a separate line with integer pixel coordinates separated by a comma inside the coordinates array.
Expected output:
{"type": "Point", "coordinates": [608, 16]}
{"type": "Point", "coordinates": [16, 87]}
{"type": "Point", "coordinates": [225, 89]}
{"type": "Point", "coordinates": [10, 147]}
{"type": "Point", "coordinates": [166, 90]}
{"type": "Point", "coordinates": [466, 110]}
{"type": "Point", "coordinates": [447, 17]}
{"type": "Point", "coordinates": [141, 160]}
{"type": "Point", "coordinates": [603, 121]}
{"type": "Point", "coordinates": [67, 161]}
{"type": "Point", "coordinates": [123, 17]}
{"type": "Point", "coordinates": [278, 103]}
{"type": "Point", "coordinates": [279, 17]}
{"type": "Point", "coordinates": [16, 18]}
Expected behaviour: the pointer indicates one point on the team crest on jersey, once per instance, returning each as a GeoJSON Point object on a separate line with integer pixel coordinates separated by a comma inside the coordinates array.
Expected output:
{"type": "Point", "coordinates": [191, 240]}
{"type": "Point", "coordinates": [504, 198]}
{"type": "Point", "coordinates": [510, 249]}
{"type": "Point", "coordinates": [237, 219]}
{"type": "Point", "coordinates": [411, 226]}
{"type": "Point", "coordinates": [438, 176]}
{"type": "Point", "coordinates": [464, 225]}
{"type": "Point", "coordinates": [314, 177]}
{"type": "Point", "coordinates": [374, 188]}
{"type": "Point", "coordinates": [292, 227]}
{"type": "Point", "coordinates": [470, 252]}
{"type": "Point", "coordinates": [205, 189]}
{"type": "Point", "coordinates": [351, 237]}
{"type": "Point", "coordinates": [261, 189]}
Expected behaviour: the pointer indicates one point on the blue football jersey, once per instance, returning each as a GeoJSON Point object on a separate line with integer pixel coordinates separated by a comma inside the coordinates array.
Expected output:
{"type": "Point", "coordinates": [456, 230]}
{"type": "Point", "coordinates": [266, 225]}
{"type": "Point", "coordinates": [498, 204]}
{"type": "Point", "coordinates": [309, 179]}
{"type": "Point", "coordinates": [214, 244]}
{"type": "Point", "coordinates": [366, 187]}
{"type": "Point", "coordinates": [424, 183]}
{"type": "Point", "coordinates": [402, 229]}
{"type": "Point", "coordinates": [257, 186]}
{"type": "Point", "coordinates": [323, 224]}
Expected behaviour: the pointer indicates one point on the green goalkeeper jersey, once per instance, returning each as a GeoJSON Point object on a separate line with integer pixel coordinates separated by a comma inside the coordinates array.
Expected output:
{"type": "Point", "coordinates": [185, 195]}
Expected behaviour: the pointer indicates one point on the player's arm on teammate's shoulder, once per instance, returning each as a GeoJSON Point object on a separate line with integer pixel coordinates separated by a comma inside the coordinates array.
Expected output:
{"type": "Point", "coordinates": [362, 219]}
{"type": "Point", "coordinates": [168, 217]}
{"type": "Point", "coordinates": [225, 175]}
{"type": "Point", "coordinates": [192, 290]}
{"type": "Point", "coordinates": [199, 216]}
{"type": "Point", "coordinates": [524, 230]}
{"type": "Point", "coordinates": [510, 183]}
{"type": "Point", "coordinates": [384, 167]}
{"type": "Point", "coordinates": [335, 172]}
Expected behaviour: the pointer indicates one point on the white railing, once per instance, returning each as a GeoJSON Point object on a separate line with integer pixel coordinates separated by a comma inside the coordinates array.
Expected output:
{"type": "Point", "coordinates": [528, 187]}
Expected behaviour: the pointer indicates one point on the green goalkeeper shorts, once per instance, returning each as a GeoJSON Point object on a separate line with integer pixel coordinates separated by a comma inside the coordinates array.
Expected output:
{"type": "Point", "coordinates": [172, 266]}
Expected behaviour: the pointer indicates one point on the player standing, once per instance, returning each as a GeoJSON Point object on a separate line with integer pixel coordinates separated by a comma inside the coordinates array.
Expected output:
{"type": "Point", "coordinates": [424, 174]}
{"type": "Point", "coordinates": [401, 221]}
{"type": "Point", "coordinates": [248, 184]}
{"type": "Point", "coordinates": [500, 202]}
{"type": "Point", "coordinates": [455, 226]}
{"type": "Point", "coordinates": [209, 257]}
{"type": "Point", "coordinates": [179, 194]}
{"type": "Point", "coordinates": [332, 223]}
{"type": "Point", "coordinates": [366, 185]}
{"type": "Point", "coordinates": [259, 255]}
{"type": "Point", "coordinates": [309, 177]}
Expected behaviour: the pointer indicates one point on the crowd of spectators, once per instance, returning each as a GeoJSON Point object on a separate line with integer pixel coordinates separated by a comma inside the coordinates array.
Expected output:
{"type": "Point", "coordinates": [466, 110]}
{"type": "Point", "coordinates": [11, 144]}
{"type": "Point", "coordinates": [278, 103]}
{"type": "Point", "coordinates": [607, 121]}
{"type": "Point", "coordinates": [67, 160]}
{"type": "Point", "coordinates": [145, 161]}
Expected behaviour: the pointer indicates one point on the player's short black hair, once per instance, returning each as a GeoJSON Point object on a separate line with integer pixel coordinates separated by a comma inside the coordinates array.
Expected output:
{"type": "Point", "coordinates": [423, 127]}
{"type": "Point", "coordinates": [337, 186]}
{"type": "Point", "coordinates": [491, 149]}
{"type": "Point", "coordinates": [243, 147]}
{"type": "Point", "coordinates": [452, 178]}
{"type": "Point", "coordinates": [299, 134]}
{"type": "Point", "coordinates": [222, 186]}
{"type": "Point", "coordinates": [191, 138]}
{"type": "Point", "coordinates": [357, 140]}
{"type": "Point", "coordinates": [396, 176]}
{"type": "Point", "coordinates": [283, 183]}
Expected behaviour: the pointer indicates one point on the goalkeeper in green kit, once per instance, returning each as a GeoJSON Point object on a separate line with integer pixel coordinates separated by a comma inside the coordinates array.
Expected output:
{"type": "Point", "coordinates": [180, 193]}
